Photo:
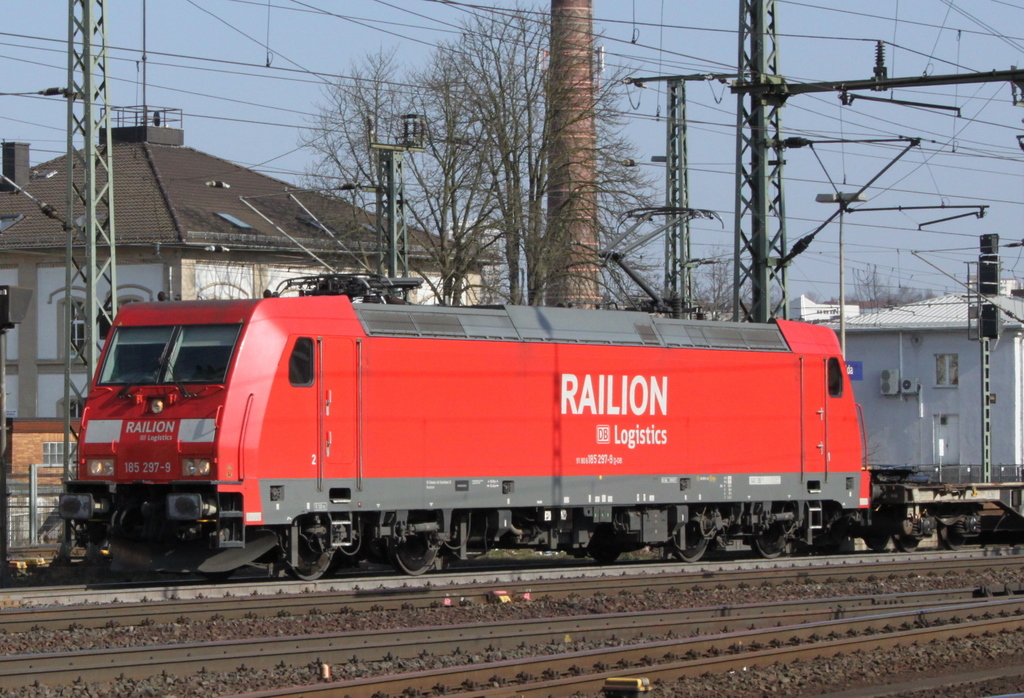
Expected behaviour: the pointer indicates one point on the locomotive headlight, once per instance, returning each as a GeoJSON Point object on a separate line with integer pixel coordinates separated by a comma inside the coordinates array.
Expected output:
{"type": "Point", "coordinates": [156, 405]}
{"type": "Point", "coordinates": [100, 467]}
{"type": "Point", "coordinates": [195, 467]}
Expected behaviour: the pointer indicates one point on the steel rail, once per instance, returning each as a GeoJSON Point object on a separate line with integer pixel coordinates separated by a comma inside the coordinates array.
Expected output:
{"type": "Point", "coordinates": [587, 671]}
{"type": "Point", "coordinates": [462, 573]}
{"type": "Point", "coordinates": [696, 624]}
{"type": "Point", "coordinates": [426, 593]}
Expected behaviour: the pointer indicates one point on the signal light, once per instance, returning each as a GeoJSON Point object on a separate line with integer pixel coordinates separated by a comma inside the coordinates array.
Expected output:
{"type": "Point", "coordinates": [990, 323]}
{"type": "Point", "coordinates": [988, 275]}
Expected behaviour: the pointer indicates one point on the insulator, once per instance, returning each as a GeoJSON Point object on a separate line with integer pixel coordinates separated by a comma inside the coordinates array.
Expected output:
{"type": "Point", "coordinates": [881, 72]}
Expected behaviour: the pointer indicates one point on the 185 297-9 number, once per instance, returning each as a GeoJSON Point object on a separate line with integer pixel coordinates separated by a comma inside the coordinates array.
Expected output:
{"type": "Point", "coordinates": [147, 467]}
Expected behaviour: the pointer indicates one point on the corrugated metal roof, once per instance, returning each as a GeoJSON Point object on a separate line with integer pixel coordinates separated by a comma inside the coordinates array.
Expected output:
{"type": "Point", "coordinates": [950, 311]}
{"type": "Point", "coordinates": [944, 311]}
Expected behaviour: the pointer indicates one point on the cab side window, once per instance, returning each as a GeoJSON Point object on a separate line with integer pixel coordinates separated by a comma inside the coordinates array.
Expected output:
{"type": "Point", "coordinates": [835, 377]}
{"type": "Point", "coordinates": [300, 364]}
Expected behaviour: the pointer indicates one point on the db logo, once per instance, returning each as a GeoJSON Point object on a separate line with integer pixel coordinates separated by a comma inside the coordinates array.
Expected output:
{"type": "Point", "coordinates": [604, 434]}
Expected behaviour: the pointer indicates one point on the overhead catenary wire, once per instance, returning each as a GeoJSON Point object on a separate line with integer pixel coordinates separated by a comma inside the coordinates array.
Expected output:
{"type": "Point", "coordinates": [724, 127]}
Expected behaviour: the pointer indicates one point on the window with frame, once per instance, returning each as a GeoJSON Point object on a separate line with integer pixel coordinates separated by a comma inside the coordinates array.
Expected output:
{"type": "Point", "coordinates": [947, 369]}
{"type": "Point", "coordinates": [835, 377]}
{"type": "Point", "coordinates": [301, 363]}
{"type": "Point", "coordinates": [53, 453]}
{"type": "Point", "coordinates": [77, 339]}
{"type": "Point", "coordinates": [76, 408]}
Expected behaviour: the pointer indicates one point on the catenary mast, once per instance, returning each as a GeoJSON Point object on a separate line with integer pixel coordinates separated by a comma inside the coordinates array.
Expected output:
{"type": "Point", "coordinates": [89, 219]}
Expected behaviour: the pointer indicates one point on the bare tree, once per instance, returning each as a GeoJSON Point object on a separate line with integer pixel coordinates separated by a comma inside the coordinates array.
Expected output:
{"type": "Point", "coordinates": [478, 195]}
{"type": "Point", "coordinates": [344, 128]}
{"type": "Point", "coordinates": [712, 284]}
{"type": "Point", "coordinates": [879, 291]}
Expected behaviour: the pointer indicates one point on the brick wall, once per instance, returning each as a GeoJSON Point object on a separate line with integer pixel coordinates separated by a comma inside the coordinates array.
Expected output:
{"type": "Point", "coordinates": [26, 445]}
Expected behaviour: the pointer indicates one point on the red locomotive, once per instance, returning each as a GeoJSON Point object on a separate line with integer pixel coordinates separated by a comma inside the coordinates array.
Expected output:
{"type": "Point", "coordinates": [322, 429]}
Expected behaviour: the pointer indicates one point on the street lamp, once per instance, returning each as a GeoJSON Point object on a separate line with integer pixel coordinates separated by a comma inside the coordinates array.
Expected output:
{"type": "Point", "coordinates": [843, 199]}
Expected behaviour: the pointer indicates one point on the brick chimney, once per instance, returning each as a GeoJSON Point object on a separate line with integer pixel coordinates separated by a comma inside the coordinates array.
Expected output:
{"type": "Point", "coordinates": [15, 165]}
{"type": "Point", "coordinates": [572, 198]}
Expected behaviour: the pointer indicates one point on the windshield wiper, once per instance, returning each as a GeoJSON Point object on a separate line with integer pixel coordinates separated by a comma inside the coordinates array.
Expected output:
{"type": "Point", "coordinates": [178, 383]}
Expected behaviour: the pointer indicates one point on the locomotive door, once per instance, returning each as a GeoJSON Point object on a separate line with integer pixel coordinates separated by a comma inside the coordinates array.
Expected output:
{"type": "Point", "coordinates": [814, 417]}
{"type": "Point", "coordinates": [338, 397]}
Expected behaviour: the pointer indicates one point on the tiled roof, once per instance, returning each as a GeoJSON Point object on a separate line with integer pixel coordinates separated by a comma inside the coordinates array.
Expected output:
{"type": "Point", "coordinates": [161, 195]}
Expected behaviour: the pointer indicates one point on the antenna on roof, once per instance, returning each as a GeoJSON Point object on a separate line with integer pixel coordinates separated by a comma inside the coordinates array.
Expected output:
{"type": "Point", "coordinates": [145, 111]}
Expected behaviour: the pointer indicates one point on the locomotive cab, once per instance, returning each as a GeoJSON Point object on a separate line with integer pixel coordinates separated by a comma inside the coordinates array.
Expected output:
{"type": "Point", "coordinates": [150, 458]}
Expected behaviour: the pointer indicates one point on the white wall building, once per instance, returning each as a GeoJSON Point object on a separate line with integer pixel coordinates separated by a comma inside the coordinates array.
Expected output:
{"type": "Point", "coordinates": [917, 375]}
{"type": "Point", "coordinates": [803, 308]}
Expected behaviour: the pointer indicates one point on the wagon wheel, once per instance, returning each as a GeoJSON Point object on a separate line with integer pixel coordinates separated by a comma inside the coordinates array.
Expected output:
{"type": "Point", "coordinates": [952, 537]}
{"type": "Point", "coordinates": [313, 552]}
{"type": "Point", "coordinates": [412, 554]}
{"type": "Point", "coordinates": [698, 543]}
{"type": "Point", "coordinates": [772, 542]}
{"type": "Point", "coordinates": [877, 543]}
{"type": "Point", "coordinates": [905, 543]}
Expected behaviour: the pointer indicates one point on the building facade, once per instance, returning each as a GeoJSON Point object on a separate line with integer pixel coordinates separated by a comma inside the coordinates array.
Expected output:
{"type": "Point", "coordinates": [917, 373]}
{"type": "Point", "coordinates": [188, 226]}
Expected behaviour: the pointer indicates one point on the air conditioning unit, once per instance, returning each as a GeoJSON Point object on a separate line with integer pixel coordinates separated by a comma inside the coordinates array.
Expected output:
{"type": "Point", "coordinates": [890, 383]}
{"type": "Point", "coordinates": [910, 385]}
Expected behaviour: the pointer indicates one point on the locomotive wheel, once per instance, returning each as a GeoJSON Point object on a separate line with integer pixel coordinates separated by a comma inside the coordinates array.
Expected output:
{"type": "Point", "coordinates": [952, 538]}
{"type": "Point", "coordinates": [877, 543]}
{"type": "Point", "coordinates": [698, 543]}
{"type": "Point", "coordinates": [771, 543]}
{"type": "Point", "coordinates": [906, 544]}
{"type": "Point", "coordinates": [313, 552]}
{"type": "Point", "coordinates": [411, 554]}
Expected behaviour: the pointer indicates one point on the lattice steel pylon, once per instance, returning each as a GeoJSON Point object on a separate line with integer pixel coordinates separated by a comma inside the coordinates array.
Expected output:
{"type": "Point", "coordinates": [678, 285]}
{"type": "Point", "coordinates": [392, 229]}
{"type": "Point", "coordinates": [89, 217]}
{"type": "Point", "coordinates": [760, 227]}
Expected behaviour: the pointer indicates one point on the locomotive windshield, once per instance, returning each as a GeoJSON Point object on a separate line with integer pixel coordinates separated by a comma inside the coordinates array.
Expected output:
{"type": "Point", "coordinates": [169, 354]}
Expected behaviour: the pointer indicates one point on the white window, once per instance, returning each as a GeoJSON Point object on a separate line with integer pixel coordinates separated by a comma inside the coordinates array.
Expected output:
{"type": "Point", "coordinates": [76, 408]}
{"type": "Point", "coordinates": [76, 338]}
{"type": "Point", "coordinates": [53, 453]}
{"type": "Point", "coordinates": [947, 369]}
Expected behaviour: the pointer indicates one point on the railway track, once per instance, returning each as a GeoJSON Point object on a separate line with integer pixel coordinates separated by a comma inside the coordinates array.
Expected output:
{"type": "Point", "coordinates": [134, 607]}
{"type": "Point", "coordinates": [587, 672]}
{"type": "Point", "coordinates": [666, 644]}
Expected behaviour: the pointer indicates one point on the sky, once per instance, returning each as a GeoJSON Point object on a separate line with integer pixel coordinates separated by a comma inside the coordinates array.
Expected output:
{"type": "Point", "coordinates": [249, 75]}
